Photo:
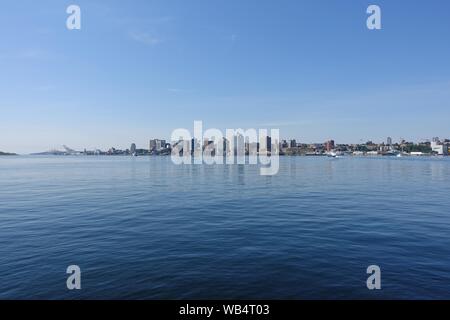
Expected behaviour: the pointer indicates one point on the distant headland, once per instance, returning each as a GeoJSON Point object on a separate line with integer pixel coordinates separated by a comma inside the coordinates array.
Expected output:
{"type": "Point", "coordinates": [7, 154]}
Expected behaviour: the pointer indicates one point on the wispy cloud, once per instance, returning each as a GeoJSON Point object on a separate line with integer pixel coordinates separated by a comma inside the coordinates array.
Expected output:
{"type": "Point", "coordinates": [145, 38]}
{"type": "Point", "coordinates": [140, 28]}
{"type": "Point", "coordinates": [149, 21]}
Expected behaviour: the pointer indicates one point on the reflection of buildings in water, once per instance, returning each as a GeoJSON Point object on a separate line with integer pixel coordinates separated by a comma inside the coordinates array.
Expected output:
{"type": "Point", "coordinates": [241, 174]}
{"type": "Point", "coordinates": [439, 169]}
{"type": "Point", "coordinates": [330, 167]}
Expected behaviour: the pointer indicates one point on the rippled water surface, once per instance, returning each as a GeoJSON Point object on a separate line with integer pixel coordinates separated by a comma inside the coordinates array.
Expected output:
{"type": "Point", "coordinates": [144, 228]}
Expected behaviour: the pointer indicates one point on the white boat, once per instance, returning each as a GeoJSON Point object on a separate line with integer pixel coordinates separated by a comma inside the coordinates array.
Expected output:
{"type": "Point", "coordinates": [332, 155]}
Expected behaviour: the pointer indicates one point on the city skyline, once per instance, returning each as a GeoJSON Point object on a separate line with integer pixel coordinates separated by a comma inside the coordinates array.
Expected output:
{"type": "Point", "coordinates": [140, 70]}
{"type": "Point", "coordinates": [144, 145]}
{"type": "Point", "coordinates": [437, 145]}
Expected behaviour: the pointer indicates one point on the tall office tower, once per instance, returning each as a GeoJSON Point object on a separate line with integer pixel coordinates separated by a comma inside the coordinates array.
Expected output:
{"type": "Point", "coordinates": [157, 145]}
{"type": "Point", "coordinates": [329, 145]}
{"type": "Point", "coordinates": [152, 145]}
{"type": "Point", "coordinates": [239, 145]}
{"type": "Point", "coordinates": [293, 143]}
{"type": "Point", "coordinates": [226, 146]}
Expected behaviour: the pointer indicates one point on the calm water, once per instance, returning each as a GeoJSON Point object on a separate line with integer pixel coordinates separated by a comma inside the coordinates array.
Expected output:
{"type": "Point", "coordinates": [143, 228]}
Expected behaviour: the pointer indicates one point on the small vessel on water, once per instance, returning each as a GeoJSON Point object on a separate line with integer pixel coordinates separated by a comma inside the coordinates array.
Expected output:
{"type": "Point", "coordinates": [332, 155]}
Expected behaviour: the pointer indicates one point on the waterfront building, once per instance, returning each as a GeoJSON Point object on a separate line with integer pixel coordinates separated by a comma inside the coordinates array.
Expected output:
{"type": "Point", "coordinates": [329, 145]}
{"type": "Point", "coordinates": [253, 149]}
{"type": "Point", "coordinates": [293, 143]}
{"type": "Point", "coordinates": [133, 148]}
{"type": "Point", "coordinates": [152, 145]}
{"type": "Point", "coordinates": [239, 145]}
{"type": "Point", "coordinates": [157, 145]}
{"type": "Point", "coordinates": [269, 144]}
{"type": "Point", "coordinates": [226, 146]}
{"type": "Point", "coordinates": [389, 141]}
{"type": "Point", "coordinates": [438, 147]}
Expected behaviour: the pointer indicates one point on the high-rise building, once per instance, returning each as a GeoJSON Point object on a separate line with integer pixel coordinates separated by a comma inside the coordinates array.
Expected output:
{"type": "Point", "coordinates": [389, 141]}
{"type": "Point", "coordinates": [329, 145]}
{"type": "Point", "coordinates": [293, 143]}
{"type": "Point", "coordinates": [152, 145]}
{"type": "Point", "coordinates": [133, 148]}
{"type": "Point", "coordinates": [157, 145]}
{"type": "Point", "coordinates": [239, 145]}
{"type": "Point", "coordinates": [226, 146]}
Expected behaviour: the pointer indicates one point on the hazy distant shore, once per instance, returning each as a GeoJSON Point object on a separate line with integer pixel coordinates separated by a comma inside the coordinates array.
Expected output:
{"type": "Point", "coordinates": [7, 154]}
{"type": "Point", "coordinates": [281, 155]}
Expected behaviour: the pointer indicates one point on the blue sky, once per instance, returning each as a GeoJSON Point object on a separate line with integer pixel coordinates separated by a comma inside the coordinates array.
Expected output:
{"type": "Point", "coordinates": [139, 69]}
